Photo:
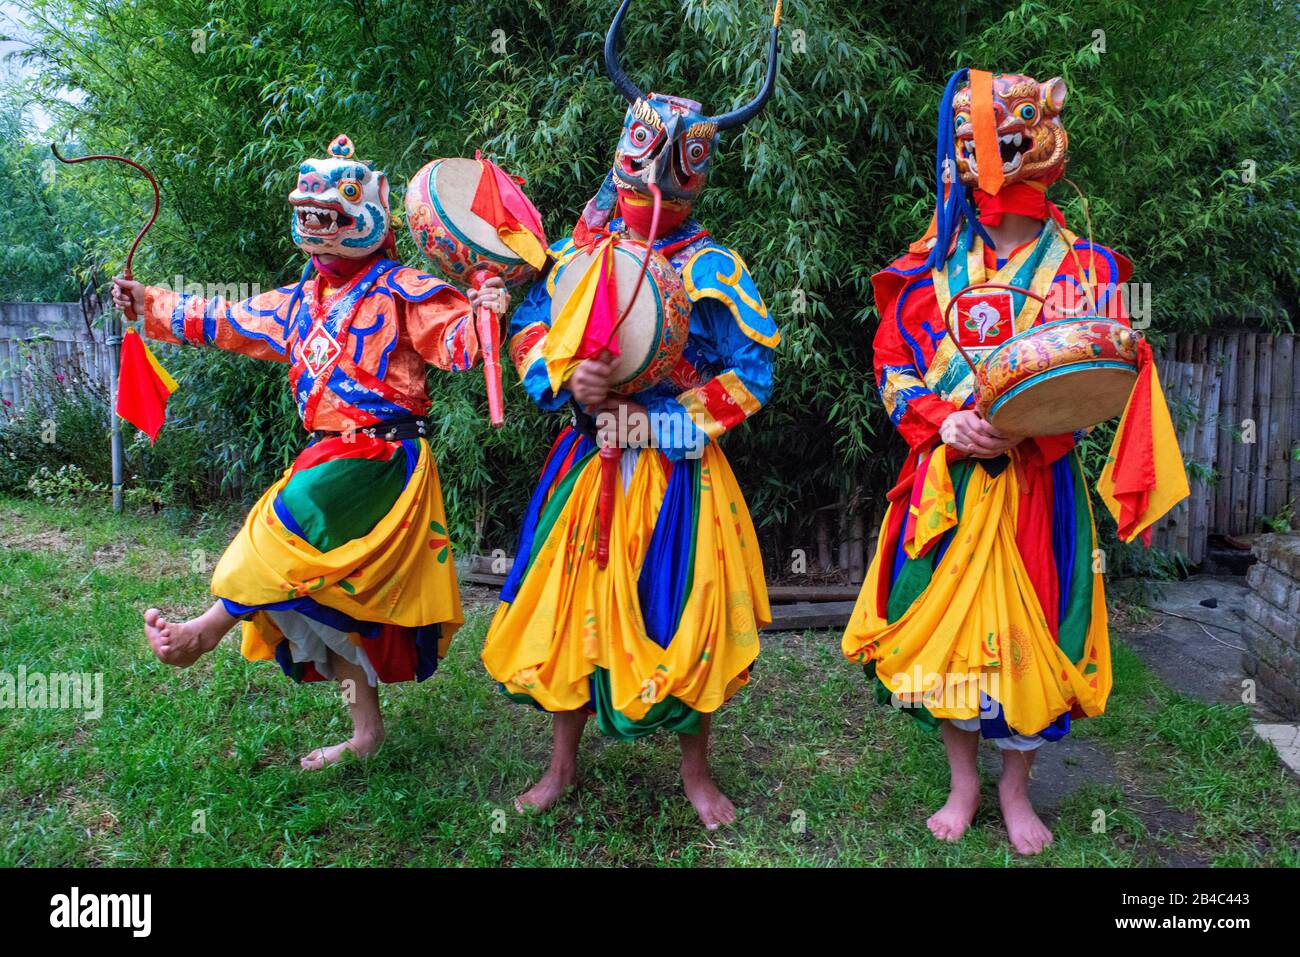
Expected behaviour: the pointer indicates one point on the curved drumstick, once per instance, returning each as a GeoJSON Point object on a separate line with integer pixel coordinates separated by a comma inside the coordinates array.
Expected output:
{"type": "Point", "coordinates": [157, 204]}
{"type": "Point", "coordinates": [611, 456]}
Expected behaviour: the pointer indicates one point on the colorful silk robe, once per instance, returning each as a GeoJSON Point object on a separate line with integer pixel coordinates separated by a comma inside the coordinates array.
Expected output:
{"type": "Point", "coordinates": [669, 629]}
{"type": "Point", "coordinates": [983, 598]}
{"type": "Point", "coordinates": [347, 552]}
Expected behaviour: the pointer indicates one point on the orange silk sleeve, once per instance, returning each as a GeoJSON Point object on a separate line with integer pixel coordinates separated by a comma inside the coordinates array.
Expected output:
{"type": "Point", "coordinates": [253, 327]}
{"type": "Point", "coordinates": [439, 324]}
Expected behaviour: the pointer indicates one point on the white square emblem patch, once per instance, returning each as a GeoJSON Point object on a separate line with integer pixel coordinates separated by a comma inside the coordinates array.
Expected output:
{"type": "Point", "coordinates": [319, 349]}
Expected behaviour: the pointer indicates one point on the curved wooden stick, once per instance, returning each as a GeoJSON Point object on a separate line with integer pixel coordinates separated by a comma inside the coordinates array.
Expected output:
{"type": "Point", "coordinates": [157, 204]}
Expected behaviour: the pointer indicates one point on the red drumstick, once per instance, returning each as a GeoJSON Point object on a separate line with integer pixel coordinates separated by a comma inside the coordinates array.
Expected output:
{"type": "Point", "coordinates": [489, 340]}
{"type": "Point", "coordinates": [611, 460]}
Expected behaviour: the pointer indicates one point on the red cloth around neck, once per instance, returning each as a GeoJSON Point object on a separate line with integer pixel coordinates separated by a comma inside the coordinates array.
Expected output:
{"type": "Point", "coordinates": [341, 270]}
{"type": "Point", "coordinates": [638, 215]}
{"type": "Point", "coordinates": [1025, 198]}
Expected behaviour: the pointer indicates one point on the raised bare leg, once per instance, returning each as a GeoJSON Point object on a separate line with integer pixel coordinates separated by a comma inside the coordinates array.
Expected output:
{"type": "Point", "coordinates": [950, 822]}
{"type": "Point", "coordinates": [183, 643]}
{"type": "Point", "coordinates": [1028, 834]}
{"type": "Point", "coordinates": [367, 721]}
{"type": "Point", "coordinates": [566, 733]}
{"type": "Point", "coordinates": [713, 807]}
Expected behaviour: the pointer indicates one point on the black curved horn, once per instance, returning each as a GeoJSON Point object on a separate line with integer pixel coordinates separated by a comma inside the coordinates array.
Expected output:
{"type": "Point", "coordinates": [744, 114]}
{"type": "Point", "coordinates": [625, 86]}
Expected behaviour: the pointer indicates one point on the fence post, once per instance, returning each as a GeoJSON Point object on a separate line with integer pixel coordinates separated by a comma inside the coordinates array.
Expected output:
{"type": "Point", "coordinates": [113, 342]}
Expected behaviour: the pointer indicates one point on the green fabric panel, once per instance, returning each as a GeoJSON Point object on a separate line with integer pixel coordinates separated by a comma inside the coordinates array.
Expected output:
{"type": "Point", "coordinates": [695, 535]}
{"type": "Point", "coordinates": [914, 578]}
{"type": "Point", "coordinates": [883, 696]}
{"type": "Point", "coordinates": [555, 505]}
{"type": "Point", "coordinates": [668, 715]}
{"type": "Point", "coordinates": [343, 499]}
{"type": "Point", "coordinates": [1072, 632]}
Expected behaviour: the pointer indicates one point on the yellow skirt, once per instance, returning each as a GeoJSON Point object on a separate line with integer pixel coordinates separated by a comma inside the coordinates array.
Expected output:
{"type": "Point", "coordinates": [349, 545]}
{"type": "Point", "coordinates": [669, 629]}
{"type": "Point", "coordinates": [977, 631]}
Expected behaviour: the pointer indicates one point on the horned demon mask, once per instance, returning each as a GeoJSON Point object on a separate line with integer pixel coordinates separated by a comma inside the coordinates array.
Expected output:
{"type": "Point", "coordinates": [340, 204]}
{"type": "Point", "coordinates": [670, 140]}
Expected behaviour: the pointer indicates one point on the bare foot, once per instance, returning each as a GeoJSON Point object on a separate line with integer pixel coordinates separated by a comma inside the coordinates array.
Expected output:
{"type": "Point", "coordinates": [1028, 834]}
{"type": "Point", "coordinates": [182, 644]}
{"type": "Point", "coordinates": [950, 822]}
{"type": "Point", "coordinates": [359, 745]}
{"type": "Point", "coordinates": [555, 783]}
{"type": "Point", "coordinates": [714, 808]}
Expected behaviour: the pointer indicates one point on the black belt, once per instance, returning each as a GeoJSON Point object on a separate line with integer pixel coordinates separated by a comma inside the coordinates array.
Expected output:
{"type": "Point", "coordinates": [583, 423]}
{"type": "Point", "coordinates": [392, 430]}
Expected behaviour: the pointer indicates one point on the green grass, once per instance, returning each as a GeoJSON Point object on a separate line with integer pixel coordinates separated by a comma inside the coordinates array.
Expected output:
{"type": "Point", "coordinates": [820, 774]}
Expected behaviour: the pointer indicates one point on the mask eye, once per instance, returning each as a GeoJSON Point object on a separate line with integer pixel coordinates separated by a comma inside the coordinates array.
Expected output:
{"type": "Point", "coordinates": [962, 119]}
{"type": "Point", "coordinates": [1027, 112]}
{"type": "Point", "coordinates": [696, 152]}
{"type": "Point", "coordinates": [350, 190]}
{"type": "Point", "coordinates": [640, 135]}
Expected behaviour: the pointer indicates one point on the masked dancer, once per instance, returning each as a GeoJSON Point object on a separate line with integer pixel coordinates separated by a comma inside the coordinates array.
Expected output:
{"type": "Point", "coordinates": [662, 635]}
{"type": "Point", "coordinates": [342, 571]}
{"type": "Point", "coordinates": [983, 611]}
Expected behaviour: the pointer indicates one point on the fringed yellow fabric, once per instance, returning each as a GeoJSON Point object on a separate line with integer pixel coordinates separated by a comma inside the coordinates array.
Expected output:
{"type": "Point", "coordinates": [978, 626]}
{"type": "Point", "coordinates": [570, 617]}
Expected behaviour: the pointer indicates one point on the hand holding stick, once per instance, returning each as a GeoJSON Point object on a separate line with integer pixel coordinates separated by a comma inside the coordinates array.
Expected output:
{"type": "Point", "coordinates": [487, 327]}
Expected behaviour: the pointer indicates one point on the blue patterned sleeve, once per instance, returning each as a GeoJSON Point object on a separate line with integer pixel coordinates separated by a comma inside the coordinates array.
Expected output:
{"type": "Point", "coordinates": [529, 324]}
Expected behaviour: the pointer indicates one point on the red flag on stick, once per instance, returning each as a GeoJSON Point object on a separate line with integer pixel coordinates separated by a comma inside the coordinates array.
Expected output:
{"type": "Point", "coordinates": [143, 386]}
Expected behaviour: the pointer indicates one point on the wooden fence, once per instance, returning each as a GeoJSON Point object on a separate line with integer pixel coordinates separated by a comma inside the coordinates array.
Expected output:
{"type": "Point", "coordinates": [1235, 396]}
{"type": "Point", "coordinates": [63, 337]}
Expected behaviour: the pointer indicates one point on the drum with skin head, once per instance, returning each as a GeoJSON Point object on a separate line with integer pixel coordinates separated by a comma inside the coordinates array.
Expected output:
{"type": "Point", "coordinates": [467, 248]}
{"type": "Point", "coordinates": [1054, 378]}
{"type": "Point", "coordinates": [653, 336]}
{"type": "Point", "coordinates": [1059, 377]}
{"type": "Point", "coordinates": [459, 241]}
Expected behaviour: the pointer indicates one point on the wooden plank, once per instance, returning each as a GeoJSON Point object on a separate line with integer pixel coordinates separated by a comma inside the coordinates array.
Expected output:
{"type": "Point", "coordinates": [1225, 422]}
{"type": "Point", "coordinates": [1293, 491]}
{"type": "Point", "coordinates": [1278, 474]}
{"type": "Point", "coordinates": [483, 578]}
{"type": "Point", "coordinates": [777, 594]}
{"type": "Point", "coordinates": [787, 594]}
{"type": "Point", "coordinates": [1187, 443]}
{"type": "Point", "coordinates": [804, 615]}
{"type": "Point", "coordinates": [20, 389]}
{"type": "Point", "coordinates": [1241, 450]}
{"type": "Point", "coordinates": [1264, 394]}
{"type": "Point", "coordinates": [1206, 451]}
{"type": "Point", "coordinates": [1174, 396]}
{"type": "Point", "coordinates": [6, 373]}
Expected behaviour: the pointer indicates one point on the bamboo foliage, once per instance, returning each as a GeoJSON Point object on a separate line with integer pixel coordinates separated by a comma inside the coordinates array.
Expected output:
{"type": "Point", "coordinates": [222, 99]}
